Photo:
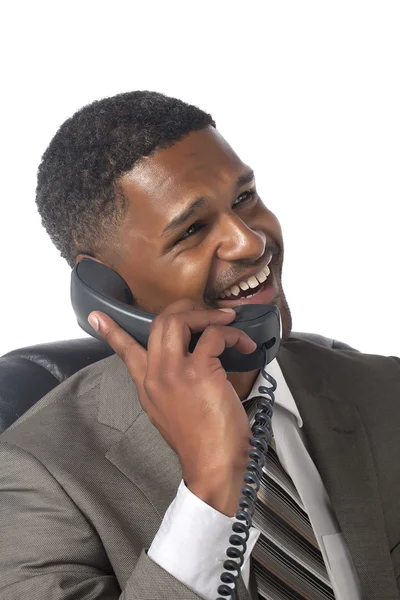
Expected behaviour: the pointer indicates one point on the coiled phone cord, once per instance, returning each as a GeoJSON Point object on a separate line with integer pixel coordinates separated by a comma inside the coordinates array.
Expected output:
{"type": "Point", "coordinates": [261, 431]}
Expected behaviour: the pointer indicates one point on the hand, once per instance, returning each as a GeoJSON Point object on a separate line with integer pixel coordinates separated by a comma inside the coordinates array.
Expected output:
{"type": "Point", "coordinates": [188, 397]}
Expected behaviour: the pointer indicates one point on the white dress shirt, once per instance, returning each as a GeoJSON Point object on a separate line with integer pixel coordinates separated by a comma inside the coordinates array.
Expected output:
{"type": "Point", "coordinates": [193, 537]}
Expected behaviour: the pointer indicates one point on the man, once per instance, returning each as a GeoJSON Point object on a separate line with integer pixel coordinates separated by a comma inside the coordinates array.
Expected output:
{"type": "Point", "coordinates": [123, 481]}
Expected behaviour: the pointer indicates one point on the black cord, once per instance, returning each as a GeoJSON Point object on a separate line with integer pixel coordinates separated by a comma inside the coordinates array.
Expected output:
{"type": "Point", "coordinates": [261, 431]}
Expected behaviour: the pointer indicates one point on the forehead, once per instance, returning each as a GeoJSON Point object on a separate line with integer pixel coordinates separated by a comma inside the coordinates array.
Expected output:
{"type": "Point", "coordinates": [202, 163]}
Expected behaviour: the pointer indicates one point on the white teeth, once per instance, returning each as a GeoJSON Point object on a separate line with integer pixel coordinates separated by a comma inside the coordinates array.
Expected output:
{"type": "Point", "coordinates": [251, 282]}
{"type": "Point", "coordinates": [262, 276]}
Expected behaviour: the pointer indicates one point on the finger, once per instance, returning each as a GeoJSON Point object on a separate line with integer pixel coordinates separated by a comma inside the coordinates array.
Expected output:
{"type": "Point", "coordinates": [175, 334]}
{"type": "Point", "coordinates": [215, 339]}
{"type": "Point", "coordinates": [170, 336]}
{"type": "Point", "coordinates": [156, 356]}
{"type": "Point", "coordinates": [179, 306]}
{"type": "Point", "coordinates": [127, 348]}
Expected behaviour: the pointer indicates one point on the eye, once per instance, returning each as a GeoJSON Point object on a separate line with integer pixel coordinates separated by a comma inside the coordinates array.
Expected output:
{"type": "Point", "coordinates": [248, 195]}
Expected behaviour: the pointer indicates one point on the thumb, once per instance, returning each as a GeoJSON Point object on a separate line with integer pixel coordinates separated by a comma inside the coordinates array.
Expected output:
{"type": "Point", "coordinates": [123, 344]}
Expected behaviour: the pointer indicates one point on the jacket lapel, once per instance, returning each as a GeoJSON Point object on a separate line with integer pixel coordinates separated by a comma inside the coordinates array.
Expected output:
{"type": "Point", "coordinates": [141, 454]}
{"type": "Point", "coordinates": [340, 450]}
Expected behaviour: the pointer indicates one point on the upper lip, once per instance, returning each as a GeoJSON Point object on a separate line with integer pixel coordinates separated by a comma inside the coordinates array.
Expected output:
{"type": "Point", "coordinates": [245, 276]}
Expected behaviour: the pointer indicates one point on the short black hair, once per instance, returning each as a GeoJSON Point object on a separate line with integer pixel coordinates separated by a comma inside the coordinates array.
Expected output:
{"type": "Point", "coordinates": [78, 197]}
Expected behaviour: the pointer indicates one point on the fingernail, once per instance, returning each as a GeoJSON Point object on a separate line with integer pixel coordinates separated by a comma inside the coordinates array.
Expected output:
{"type": "Point", "coordinates": [94, 322]}
{"type": "Point", "coordinates": [229, 310]}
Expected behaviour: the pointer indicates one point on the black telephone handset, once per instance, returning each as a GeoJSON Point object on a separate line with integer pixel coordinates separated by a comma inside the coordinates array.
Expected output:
{"type": "Point", "coordinates": [97, 287]}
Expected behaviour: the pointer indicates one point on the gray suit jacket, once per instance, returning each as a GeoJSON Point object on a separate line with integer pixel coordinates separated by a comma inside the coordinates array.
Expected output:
{"type": "Point", "coordinates": [85, 478]}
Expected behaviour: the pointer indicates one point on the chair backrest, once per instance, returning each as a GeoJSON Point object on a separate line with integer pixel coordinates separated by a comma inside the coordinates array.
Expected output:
{"type": "Point", "coordinates": [29, 373]}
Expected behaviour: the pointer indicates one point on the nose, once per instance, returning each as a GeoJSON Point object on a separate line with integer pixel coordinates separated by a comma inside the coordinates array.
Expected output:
{"type": "Point", "coordinates": [238, 241]}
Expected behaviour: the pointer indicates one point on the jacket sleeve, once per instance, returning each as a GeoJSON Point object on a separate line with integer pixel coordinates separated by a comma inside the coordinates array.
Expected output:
{"type": "Point", "coordinates": [49, 550]}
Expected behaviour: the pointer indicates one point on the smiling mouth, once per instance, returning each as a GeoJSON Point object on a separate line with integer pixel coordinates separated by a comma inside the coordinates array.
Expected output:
{"type": "Point", "coordinates": [245, 293]}
{"type": "Point", "coordinates": [265, 293]}
{"type": "Point", "coordinates": [266, 288]}
{"type": "Point", "coordinates": [262, 278]}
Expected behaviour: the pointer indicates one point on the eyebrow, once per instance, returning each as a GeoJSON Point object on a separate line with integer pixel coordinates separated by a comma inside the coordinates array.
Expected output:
{"type": "Point", "coordinates": [199, 202]}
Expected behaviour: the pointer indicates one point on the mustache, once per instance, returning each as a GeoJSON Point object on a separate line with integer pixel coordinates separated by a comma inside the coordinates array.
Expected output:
{"type": "Point", "coordinates": [232, 274]}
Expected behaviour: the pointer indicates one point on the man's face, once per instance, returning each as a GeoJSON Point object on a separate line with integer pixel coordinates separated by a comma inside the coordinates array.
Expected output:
{"type": "Point", "coordinates": [229, 236]}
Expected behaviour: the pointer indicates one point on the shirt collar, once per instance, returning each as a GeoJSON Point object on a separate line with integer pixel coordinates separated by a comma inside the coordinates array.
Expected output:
{"type": "Point", "coordinates": [283, 395]}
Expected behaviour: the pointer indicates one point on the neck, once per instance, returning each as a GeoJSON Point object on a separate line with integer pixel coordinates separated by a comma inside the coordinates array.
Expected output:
{"type": "Point", "coordinates": [243, 382]}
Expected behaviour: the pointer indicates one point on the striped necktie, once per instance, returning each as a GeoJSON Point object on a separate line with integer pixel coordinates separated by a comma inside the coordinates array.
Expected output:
{"type": "Point", "coordinates": [288, 563]}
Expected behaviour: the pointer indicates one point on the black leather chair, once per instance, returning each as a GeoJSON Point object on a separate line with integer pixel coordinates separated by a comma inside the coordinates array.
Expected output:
{"type": "Point", "coordinates": [29, 373]}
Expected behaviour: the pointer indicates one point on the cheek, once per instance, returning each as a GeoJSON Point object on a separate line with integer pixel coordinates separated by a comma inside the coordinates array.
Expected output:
{"type": "Point", "coordinates": [275, 223]}
{"type": "Point", "coordinates": [273, 226]}
{"type": "Point", "coordinates": [188, 278]}
{"type": "Point", "coordinates": [188, 275]}
{"type": "Point", "coordinates": [158, 291]}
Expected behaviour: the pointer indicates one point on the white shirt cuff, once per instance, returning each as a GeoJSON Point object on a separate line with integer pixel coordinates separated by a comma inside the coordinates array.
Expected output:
{"type": "Point", "coordinates": [191, 543]}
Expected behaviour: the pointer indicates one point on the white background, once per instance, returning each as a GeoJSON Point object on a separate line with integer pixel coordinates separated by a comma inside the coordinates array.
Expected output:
{"type": "Point", "coordinates": [307, 93]}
